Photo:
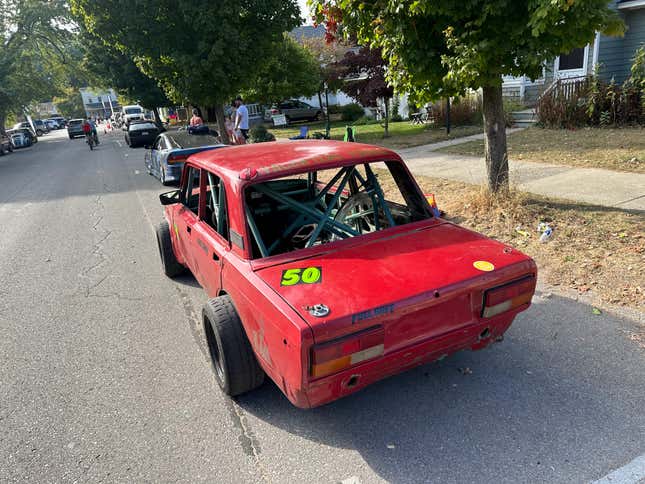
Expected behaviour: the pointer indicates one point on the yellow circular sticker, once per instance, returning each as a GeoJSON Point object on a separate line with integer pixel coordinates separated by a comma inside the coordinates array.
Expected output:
{"type": "Point", "coordinates": [483, 265]}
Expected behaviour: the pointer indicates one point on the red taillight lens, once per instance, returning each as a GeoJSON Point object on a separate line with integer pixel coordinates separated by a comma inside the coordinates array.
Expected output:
{"type": "Point", "coordinates": [509, 296]}
{"type": "Point", "coordinates": [176, 159]}
{"type": "Point", "coordinates": [337, 355]}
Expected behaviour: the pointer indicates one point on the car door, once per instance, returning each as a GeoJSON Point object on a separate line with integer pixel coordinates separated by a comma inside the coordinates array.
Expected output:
{"type": "Point", "coordinates": [149, 158]}
{"type": "Point", "coordinates": [158, 150]}
{"type": "Point", "coordinates": [186, 215]}
{"type": "Point", "coordinates": [210, 234]}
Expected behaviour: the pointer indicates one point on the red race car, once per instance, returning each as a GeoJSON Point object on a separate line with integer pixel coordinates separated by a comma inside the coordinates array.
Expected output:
{"type": "Point", "coordinates": [327, 269]}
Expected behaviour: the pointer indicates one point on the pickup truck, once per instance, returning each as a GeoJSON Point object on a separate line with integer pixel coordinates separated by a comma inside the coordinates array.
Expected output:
{"type": "Point", "coordinates": [327, 269]}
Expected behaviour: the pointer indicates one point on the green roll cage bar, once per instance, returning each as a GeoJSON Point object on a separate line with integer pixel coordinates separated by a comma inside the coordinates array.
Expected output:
{"type": "Point", "coordinates": [310, 213]}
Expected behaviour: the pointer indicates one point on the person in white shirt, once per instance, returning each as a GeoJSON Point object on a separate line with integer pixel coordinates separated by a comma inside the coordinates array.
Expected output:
{"type": "Point", "coordinates": [242, 118]}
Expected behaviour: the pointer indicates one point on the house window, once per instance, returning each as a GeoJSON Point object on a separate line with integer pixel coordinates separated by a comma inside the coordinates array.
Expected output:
{"type": "Point", "coordinates": [573, 60]}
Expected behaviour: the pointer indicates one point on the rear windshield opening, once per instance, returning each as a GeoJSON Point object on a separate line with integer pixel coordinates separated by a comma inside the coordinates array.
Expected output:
{"type": "Point", "coordinates": [320, 207]}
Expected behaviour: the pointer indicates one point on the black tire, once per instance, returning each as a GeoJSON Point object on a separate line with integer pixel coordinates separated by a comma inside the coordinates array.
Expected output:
{"type": "Point", "coordinates": [237, 371]}
{"type": "Point", "coordinates": [71, 137]}
{"type": "Point", "coordinates": [171, 267]}
{"type": "Point", "coordinates": [1, 151]}
{"type": "Point", "coordinates": [10, 148]}
{"type": "Point", "coordinates": [39, 132]}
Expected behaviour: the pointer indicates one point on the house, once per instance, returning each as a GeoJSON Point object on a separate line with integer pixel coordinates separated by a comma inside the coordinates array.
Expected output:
{"type": "Point", "coordinates": [611, 55]}
{"type": "Point", "coordinates": [99, 103]}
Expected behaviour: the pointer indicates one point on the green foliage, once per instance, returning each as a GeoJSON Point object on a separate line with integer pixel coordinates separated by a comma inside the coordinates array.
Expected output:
{"type": "Point", "coordinates": [70, 104]}
{"type": "Point", "coordinates": [395, 116]}
{"type": "Point", "coordinates": [290, 71]}
{"type": "Point", "coordinates": [34, 35]}
{"type": "Point", "coordinates": [441, 48]}
{"type": "Point", "coordinates": [202, 52]}
{"type": "Point", "coordinates": [351, 112]}
{"type": "Point", "coordinates": [109, 68]}
{"type": "Point", "coordinates": [259, 134]}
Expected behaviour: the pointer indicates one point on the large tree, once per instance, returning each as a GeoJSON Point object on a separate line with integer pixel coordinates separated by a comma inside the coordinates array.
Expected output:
{"type": "Point", "coordinates": [440, 48]}
{"type": "Point", "coordinates": [110, 68]}
{"type": "Point", "coordinates": [290, 70]}
{"type": "Point", "coordinates": [33, 35]}
{"type": "Point", "coordinates": [199, 52]}
{"type": "Point", "coordinates": [362, 76]}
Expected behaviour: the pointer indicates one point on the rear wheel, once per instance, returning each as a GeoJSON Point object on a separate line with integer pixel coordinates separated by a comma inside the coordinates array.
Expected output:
{"type": "Point", "coordinates": [171, 267]}
{"type": "Point", "coordinates": [237, 370]}
{"type": "Point", "coordinates": [10, 148]}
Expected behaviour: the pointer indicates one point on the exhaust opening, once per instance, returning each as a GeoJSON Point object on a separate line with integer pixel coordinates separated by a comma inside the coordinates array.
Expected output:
{"type": "Point", "coordinates": [353, 380]}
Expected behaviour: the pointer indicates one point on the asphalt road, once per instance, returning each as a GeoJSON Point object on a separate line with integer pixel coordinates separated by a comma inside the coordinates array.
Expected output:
{"type": "Point", "coordinates": [104, 374]}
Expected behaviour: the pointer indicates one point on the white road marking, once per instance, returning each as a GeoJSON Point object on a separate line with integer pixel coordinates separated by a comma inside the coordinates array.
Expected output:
{"type": "Point", "coordinates": [351, 480]}
{"type": "Point", "coordinates": [631, 473]}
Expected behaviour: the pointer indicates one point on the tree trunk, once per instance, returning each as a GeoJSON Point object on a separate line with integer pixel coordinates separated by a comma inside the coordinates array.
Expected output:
{"type": "Point", "coordinates": [387, 118]}
{"type": "Point", "coordinates": [221, 123]}
{"type": "Point", "coordinates": [495, 139]}
{"type": "Point", "coordinates": [155, 111]}
{"type": "Point", "coordinates": [320, 100]}
{"type": "Point", "coordinates": [3, 118]}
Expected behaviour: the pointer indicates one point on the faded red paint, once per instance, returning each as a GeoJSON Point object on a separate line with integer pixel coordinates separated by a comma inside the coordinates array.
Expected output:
{"type": "Point", "coordinates": [417, 281]}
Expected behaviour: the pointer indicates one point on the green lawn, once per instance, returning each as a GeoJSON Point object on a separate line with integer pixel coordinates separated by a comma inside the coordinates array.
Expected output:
{"type": "Point", "coordinates": [620, 149]}
{"type": "Point", "coordinates": [402, 134]}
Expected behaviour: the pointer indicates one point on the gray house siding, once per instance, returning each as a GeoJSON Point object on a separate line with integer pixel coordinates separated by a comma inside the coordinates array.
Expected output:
{"type": "Point", "coordinates": [616, 53]}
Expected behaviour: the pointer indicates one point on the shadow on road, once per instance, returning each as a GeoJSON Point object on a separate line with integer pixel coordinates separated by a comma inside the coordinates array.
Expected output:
{"type": "Point", "coordinates": [560, 399]}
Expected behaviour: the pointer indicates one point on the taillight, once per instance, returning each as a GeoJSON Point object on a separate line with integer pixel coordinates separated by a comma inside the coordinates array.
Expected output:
{"type": "Point", "coordinates": [337, 355]}
{"type": "Point", "coordinates": [509, 296]}
{"type": "Point", "coordinates": [176, 159]}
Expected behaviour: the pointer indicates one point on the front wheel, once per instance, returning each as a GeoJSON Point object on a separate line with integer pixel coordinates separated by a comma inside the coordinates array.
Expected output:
{"type": "Point", "coordinates": [171, 267]}
{"type": "Point", "coordinates": [236, 368]}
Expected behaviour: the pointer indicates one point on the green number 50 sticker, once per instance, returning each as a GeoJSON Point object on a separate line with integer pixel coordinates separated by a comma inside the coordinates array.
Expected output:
{"type": "Point", "coordinates": [308, 275]}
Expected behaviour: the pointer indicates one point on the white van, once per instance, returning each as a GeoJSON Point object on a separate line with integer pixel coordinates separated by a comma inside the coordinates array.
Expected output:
{"type": "Point", "coordinates": [132, 113]}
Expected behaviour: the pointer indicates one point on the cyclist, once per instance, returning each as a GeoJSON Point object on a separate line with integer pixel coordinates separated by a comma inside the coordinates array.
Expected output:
{"type": "Point", "coordinates": [90, 130]}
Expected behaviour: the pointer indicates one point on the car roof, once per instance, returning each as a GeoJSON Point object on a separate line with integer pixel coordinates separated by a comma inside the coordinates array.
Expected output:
{"type": "Point", "coordinates": [185, 140]}
{"type": "Point", "coordinates": [263, 161]}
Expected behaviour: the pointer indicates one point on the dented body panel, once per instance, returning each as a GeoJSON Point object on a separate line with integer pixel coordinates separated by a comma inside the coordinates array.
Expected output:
{"type": "Point", "coordinates": [418, 285]}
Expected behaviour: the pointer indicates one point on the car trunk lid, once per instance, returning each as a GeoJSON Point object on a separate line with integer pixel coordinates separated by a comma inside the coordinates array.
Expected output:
{"type": "Point", "coordinates": [415, 284]}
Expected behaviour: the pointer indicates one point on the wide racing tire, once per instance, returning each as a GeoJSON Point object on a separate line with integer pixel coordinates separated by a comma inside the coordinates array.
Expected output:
{"type": "Point", "coordinates": [237, 370]}
{"type": "Point", "coordinates": [171, 267]}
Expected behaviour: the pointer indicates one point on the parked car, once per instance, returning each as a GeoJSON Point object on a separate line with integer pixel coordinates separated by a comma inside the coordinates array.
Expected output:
{"type": "Point", "coordinates": [321, 280]}
{"type": "Point", "coordinates": [51, 124]}
{"type": "Point", "coordinates": [165, 158]}
{"type": "Point", "coordinates": [25, 125]}
{"type": "Point", "coordinates": [294, 110]}
{"type": "Point", "coordinates": [61, 121]}
{"type": "Point", "coordinates": [6, 145]}
{"type": "Point", "coordinates": [21, 137]}
{"type": "Point", "coordinates": [75, 128]}
{"type": "Point", "coordinates": [140, 133]}
{"type": "Point", "coordinates": [41, 127]}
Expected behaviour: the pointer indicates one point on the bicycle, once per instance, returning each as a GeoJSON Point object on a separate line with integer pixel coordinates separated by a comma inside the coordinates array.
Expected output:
{"type": "Point", "coordinates": [90, 140]}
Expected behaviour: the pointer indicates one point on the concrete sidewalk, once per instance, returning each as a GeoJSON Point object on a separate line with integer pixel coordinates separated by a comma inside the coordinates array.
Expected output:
{"type": "Point", "coordinates": [590, 185]}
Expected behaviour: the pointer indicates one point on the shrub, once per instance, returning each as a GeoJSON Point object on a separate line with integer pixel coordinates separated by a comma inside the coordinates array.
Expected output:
{"type": "Point", "coordinates": [464, 111]}
{"type": "Point", "coordinates": [351, 112]}
{"type": "Point", "coordinates": [394, 115]}
{"type": "Point", "coordinates": [593, 102]}
{"type": "Point", "coordinates": [259, 134]}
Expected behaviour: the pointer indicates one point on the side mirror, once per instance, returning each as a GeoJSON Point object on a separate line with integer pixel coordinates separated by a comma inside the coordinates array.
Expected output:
{"type": "Point", "coordinates": [169, 198]}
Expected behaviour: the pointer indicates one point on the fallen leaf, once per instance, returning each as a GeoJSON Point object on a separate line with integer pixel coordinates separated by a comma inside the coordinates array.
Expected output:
{"type": "Point", "coordinates": [596, 311]}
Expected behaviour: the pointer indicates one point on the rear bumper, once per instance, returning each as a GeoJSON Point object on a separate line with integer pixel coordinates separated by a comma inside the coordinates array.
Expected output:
{"type": "Point", "coordinates": [327, 389]}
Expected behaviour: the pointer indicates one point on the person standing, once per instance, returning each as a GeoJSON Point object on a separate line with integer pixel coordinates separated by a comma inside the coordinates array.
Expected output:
{"type": "Point", "coordinates": [196, 120]}
{"type": "Point", "coordinates": [242, 118]}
